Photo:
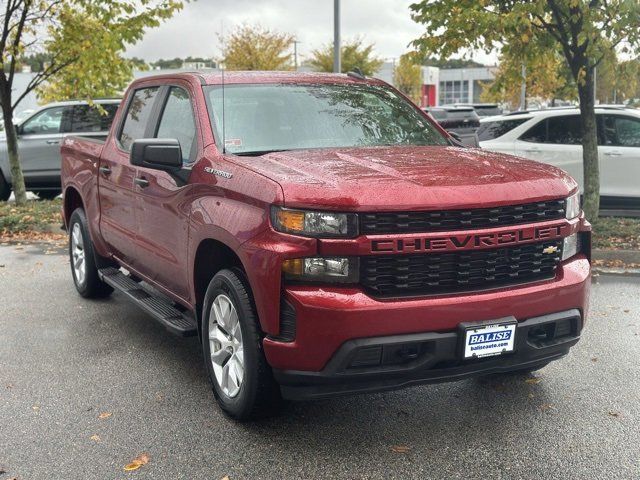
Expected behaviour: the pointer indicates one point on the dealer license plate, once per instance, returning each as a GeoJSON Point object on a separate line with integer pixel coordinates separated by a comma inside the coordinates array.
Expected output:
{"type": "Point", "coordinates": [489, 339]}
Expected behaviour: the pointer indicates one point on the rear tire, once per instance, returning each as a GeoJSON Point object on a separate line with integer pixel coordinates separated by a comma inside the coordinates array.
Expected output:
{"type": "Point", "coordinates": [83, 259]}
{"type": "Point", "coordinates": [5, 189]}
{"type": "Point", "coordinates": [47, 194]}
{"type": "Point", "coordinates": [241, 379]}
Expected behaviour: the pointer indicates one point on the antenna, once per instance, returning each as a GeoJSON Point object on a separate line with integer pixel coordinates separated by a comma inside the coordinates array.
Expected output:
{"type": "Point", "coordinates": [224, 124]}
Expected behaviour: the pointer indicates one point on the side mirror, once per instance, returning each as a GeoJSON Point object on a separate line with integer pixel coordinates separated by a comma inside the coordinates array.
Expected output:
{"type": "Point", "coordinates": [455, 136]}
{"type": "Point", "coordinates": [157, 153]}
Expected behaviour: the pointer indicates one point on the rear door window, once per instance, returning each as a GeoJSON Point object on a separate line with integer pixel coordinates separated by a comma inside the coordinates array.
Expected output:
{"type": "Point", "coordinates": [621, 131]}
{"type": "Point", "coordinates": [177, 122]}
{"type": "Point", "coordinates": [92, 119]}
{"type": "Point", "coordinates": [138, 115]}
{"type": "Point", "coordinates": [491, 130]}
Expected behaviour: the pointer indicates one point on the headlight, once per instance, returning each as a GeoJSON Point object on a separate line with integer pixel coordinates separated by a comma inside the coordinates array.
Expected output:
{"type": "Point", "coordinates": [314, 224]}
{"type": "Point", "coordinates": [570, 246]}
{"type": "Point", "coordinates": [572, 209]}
{"type": "Point", "coordinates": [321, 269]}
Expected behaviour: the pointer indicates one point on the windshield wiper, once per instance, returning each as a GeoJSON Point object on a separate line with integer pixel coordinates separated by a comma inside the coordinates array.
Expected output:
{"type": "Point", "coordinates": [259, 153]}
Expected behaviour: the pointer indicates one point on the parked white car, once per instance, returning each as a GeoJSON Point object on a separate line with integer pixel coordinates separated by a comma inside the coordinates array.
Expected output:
{"type": "Point", "coordinates": [553, 136]}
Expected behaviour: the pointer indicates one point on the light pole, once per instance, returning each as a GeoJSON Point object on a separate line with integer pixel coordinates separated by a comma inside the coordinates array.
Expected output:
{"type": "Point", "coordinates": [336, 36]}
{"type": "Point", "coordinates": [295, 54]}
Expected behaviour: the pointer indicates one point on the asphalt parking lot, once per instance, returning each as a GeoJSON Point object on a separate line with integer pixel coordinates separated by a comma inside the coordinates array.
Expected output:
{"type": "Point", "coordinates": [66, 362]}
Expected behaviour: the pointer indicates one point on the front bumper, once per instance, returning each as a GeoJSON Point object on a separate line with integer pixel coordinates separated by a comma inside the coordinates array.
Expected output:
{"type": "Point", "coordinates": [328, 317]}
{"type": "Point", "coordinates": [385, 363]}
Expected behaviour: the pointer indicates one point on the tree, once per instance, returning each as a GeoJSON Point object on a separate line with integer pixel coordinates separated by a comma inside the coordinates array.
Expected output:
{"type": "Point", "coordinates": [407, 77]}
{"type": "Point", "coordinates": [354, 54]}
{"type": "Point", "coordinates": [84, 44]}
{"type": "Point", "coordinates": [545, 77]}
{"type": "Point", "coordinates": [450, 63]}
{"type": "Point", "coordinates": [583, 30]}
{"type": "Point", "coordinates": [169, 64]}
{"type": "Point", "coordinates": [257, 48]}
{"type": "Point", "coordinates": [616, 81]}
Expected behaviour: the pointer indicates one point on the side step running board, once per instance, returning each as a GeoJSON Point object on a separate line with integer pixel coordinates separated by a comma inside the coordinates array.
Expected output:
{"type": "Point", "coordinates": [162, 310]}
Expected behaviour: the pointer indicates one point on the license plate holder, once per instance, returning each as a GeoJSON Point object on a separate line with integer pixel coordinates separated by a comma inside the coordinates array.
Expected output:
{"type": "Point", "coordinates": [488, 339]}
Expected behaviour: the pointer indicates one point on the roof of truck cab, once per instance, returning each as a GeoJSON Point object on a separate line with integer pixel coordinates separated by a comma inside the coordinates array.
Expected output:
{"type": "Point", "coordinates": [253, 77]}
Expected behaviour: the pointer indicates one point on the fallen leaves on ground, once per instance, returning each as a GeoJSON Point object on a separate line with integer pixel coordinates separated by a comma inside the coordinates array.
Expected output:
{"type": "Point", "coordinates": [614, 414]}
{"type": "Point", "coordinates": [533, 380]}
{"type": "Point", "coordinates": [104, 415]}
{"type": "Point", "coordinates": [400, 449]}
{"type": "Point", "coordinates": [95, 438]}
{"type": "Point", "coordinates": [617, 263]}
{"type": "Point", "coordinates": [616, 233]}
{"type": "Point", "coordinates": [59, 239]}
{"type": "Point", "coordinates": [546, 406]}
{"type": "Point", "coordinates": [594, 359]}
{"type": "Point", "coordinates": [137, 462]}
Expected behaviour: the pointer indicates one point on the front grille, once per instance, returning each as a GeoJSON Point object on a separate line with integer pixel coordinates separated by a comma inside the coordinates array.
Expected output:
{"type": "Point", "coordinates": [430, 274]}
{"type": "Point", "coordinates": [434, 221]}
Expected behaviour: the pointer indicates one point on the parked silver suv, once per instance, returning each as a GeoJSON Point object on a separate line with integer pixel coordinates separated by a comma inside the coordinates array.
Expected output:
{"type": "Point", "coordinates": [39, 138]}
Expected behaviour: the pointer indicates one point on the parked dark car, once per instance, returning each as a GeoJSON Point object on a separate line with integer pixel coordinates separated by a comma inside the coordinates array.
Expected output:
{"type": "Point", "coordinates": [39, 139]}
{"type": "Point", "coordinates": [461, 122]}
{"type": "Point", "coordinates": [483, 109]}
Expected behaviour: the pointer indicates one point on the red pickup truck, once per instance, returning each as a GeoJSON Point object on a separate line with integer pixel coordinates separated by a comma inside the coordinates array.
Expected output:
{"type": "Point", "coordinates": [323, 236]}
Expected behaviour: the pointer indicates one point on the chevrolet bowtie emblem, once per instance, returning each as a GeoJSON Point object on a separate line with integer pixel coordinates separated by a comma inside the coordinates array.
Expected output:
{"type": "Point", "coordinates": [550, 249]}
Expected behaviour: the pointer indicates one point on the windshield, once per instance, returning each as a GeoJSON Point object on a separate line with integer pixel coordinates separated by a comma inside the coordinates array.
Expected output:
{"type": "Point", "coordinates": [269, 117]}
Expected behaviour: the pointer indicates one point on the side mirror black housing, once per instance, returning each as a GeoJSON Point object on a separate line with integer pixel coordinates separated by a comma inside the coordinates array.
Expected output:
{"type": "Point", "coordinates": [455, 136]}
{"type": "Point", "coordinates": [157, 153]}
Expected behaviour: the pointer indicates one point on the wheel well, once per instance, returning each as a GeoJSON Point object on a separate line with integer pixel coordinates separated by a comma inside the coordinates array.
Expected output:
{"type": "Point", "coordinates": [72, 200]}
{"type": "Point", "coordinates": [211, 257]}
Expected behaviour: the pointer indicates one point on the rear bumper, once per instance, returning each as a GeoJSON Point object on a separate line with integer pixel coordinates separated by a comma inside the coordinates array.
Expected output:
{"type": "Point", "coordinates": [385, 363]}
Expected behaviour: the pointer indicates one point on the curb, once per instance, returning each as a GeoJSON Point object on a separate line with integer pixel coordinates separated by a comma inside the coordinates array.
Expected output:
{"type": "Point", "coordinates": [621, 272]}
{"type": "Point", "coordinates": [620, 257]}
{"type": "Point", "coordinates": [624, 256]}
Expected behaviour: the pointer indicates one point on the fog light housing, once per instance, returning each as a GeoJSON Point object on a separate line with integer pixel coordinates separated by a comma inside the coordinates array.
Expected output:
{"type": "Point", "coordinates": [570, 246]}
{"type": "Point", "coordinates": [322, 269]}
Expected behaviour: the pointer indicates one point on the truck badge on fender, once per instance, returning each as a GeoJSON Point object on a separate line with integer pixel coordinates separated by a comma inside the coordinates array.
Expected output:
{"type": "Point", "coordinates": [219, 173]}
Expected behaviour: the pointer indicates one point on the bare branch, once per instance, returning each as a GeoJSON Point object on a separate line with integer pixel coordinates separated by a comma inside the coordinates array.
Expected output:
{"type": "Point", "coordinates": [42, 77]}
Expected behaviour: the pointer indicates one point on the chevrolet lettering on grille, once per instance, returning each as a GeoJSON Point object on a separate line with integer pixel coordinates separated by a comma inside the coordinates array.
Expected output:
{"type": "Point", "coordinates": [466, 241]}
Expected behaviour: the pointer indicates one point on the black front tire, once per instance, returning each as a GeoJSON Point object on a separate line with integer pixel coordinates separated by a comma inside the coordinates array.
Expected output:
{"type": "Point", "coordinates": [259, 394]}
{"type": "Point", "coordinates": [90, 285]}
{"type": "Point", "coordinates": [5, 189]}
{"type": "Point", "coordinates": [47, 194]}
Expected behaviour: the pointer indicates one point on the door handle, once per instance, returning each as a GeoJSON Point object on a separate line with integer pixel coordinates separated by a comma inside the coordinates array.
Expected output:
{"type": "Point", "coordinates": [141, 182]}
{"type": "Point", "coordinates": [105, 170]}
{"type": "Point", "coordinates": [53, 142]}
{"type": "Point", "coordinates": [613, 154]}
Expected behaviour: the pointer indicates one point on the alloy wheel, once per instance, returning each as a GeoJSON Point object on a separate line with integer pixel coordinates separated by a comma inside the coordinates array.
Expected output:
{"type": "Point", "coordinates": [78, 254]}
{"type": "Point", "coordinates": [225, 345]}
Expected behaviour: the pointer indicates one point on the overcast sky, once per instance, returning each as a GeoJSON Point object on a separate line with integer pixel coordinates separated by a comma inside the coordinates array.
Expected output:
{"type": "Point", "coordinates": [193, 31]}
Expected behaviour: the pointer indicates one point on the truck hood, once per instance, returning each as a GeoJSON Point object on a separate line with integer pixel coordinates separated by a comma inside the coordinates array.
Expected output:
{"type": "Point", "coordinates": [408, 177]}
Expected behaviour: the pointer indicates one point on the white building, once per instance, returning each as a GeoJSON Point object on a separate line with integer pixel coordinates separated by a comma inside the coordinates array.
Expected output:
{"type": "Point", "coordinates": [462, 85]}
